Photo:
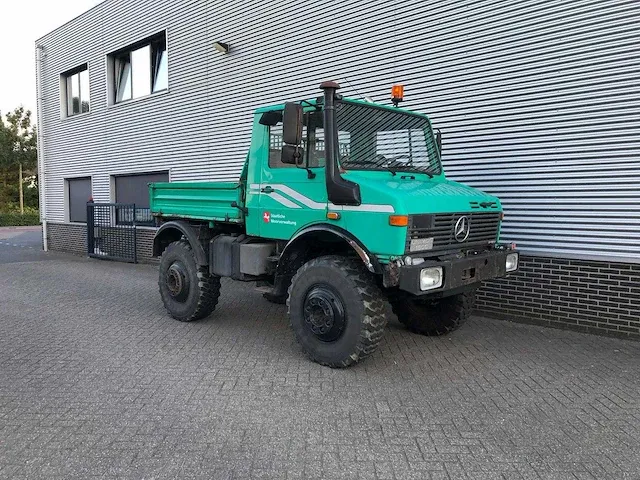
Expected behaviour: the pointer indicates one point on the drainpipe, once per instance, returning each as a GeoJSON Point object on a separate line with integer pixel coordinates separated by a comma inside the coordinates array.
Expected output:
{"type": "Point", "coordinates": [40, 146]}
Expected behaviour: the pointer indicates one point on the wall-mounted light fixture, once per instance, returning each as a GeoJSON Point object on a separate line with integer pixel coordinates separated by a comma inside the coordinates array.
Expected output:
{"type": "Point", "coordinates": [221, 47]}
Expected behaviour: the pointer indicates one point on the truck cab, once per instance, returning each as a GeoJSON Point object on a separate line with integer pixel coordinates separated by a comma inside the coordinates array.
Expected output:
{"type": "Point", "coordinates": [342, 210]}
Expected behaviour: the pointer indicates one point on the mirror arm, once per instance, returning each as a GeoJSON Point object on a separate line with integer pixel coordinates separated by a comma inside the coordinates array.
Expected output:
{"type": "Point", "coordinates": [303, 165]}
{"type": "Point", "coordinates": [310, 174]}
{"type": "Point", "coordinates": [314, 105]}
{"type": "Point", "coordinates": [439, 140]}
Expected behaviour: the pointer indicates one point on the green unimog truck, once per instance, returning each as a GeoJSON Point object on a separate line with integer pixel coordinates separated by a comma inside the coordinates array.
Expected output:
{"type": "Point", "coordinates": [343, 212]}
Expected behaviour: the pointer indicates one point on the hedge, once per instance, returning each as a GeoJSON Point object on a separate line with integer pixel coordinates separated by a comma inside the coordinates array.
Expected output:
{"type": "Point", "coordinates": [17, 220]}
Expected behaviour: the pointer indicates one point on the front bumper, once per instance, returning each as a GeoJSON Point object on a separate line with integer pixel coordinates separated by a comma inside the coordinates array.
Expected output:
{"type": "Point", "coordinates": [459, 274]}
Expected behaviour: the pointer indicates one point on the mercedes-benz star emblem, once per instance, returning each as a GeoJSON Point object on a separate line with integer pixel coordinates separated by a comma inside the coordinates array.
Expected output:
{"type": "Point", "coordinates": [461, 232]}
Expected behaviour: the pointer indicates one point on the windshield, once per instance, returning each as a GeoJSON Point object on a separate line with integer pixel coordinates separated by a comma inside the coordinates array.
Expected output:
{"type": "Point", "coordinates": [373, 138]}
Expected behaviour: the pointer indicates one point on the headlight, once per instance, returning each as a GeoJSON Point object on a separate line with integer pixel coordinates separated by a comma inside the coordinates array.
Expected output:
{"type": "Point", "coordinates": [430, 278]}
{"type": "Point", "coordinates": [511, 263]}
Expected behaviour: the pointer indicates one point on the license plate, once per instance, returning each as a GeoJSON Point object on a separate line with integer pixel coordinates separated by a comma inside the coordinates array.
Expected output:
{"type": "Point", "coordinates": [421, 244]}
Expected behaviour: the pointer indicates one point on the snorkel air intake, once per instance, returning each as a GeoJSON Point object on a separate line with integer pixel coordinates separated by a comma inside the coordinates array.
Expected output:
{"type": "Point", "coordinates": [339, 190]}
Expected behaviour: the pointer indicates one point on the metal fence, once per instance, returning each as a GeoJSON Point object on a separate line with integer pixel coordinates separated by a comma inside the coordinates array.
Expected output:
{"type": "Point", "coordinates": [111, 230]}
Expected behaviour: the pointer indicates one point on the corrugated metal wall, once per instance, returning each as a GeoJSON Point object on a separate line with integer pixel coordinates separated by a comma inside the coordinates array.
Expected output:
{"type": "Point", "coordinates": [538, 101]}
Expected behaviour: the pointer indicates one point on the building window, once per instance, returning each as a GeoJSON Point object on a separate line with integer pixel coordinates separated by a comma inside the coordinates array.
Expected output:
{"type": "Point", "coordinates": [79, 192]}
{"type": "Point", "coordinates": [134, 189]}
{"type": "Point", "coordinates": [76, 90]}
{"type": "Point", "coordinates": [140, 69]}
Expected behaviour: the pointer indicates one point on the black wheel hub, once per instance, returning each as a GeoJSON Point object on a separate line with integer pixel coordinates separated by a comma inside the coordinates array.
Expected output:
{"type": "Point", "coordinates": [324, 313]}
{"type": "Point", "coordinates": [177, 282]}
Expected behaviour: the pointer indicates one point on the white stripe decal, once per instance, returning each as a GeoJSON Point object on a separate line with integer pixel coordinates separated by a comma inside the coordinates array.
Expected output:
{"type": "Point", "coordinates": [254, 186]}
{"type": "Point", "coordinates": [299, 197]}
{"type": "Point", "coordinates": [284, 201]}
{"type": "Point", "coordinates": [365, 207]}
{"type": "Point", "coordinates": [306, 201]}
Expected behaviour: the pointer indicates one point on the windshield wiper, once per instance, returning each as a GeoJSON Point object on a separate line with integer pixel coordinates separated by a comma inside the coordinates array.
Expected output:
{"type": "Point", "coordinates": [411, 168]}
{"type": "Point", "coordinates": [413, 177]}
{"type": "Point", "coordinates": [421, 170]}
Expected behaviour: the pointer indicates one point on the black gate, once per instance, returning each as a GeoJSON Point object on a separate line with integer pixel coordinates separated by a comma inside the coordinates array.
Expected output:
{"type": "Point", "coordinates": [111, 231]}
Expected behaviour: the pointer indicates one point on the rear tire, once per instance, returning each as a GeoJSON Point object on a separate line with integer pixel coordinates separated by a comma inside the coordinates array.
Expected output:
{"type": "Point", "coordinates": [337, 312]}
{"type": "Point", "coordinates": [189, 292]}
{"type": "Point", "coordinates": [434, 317]}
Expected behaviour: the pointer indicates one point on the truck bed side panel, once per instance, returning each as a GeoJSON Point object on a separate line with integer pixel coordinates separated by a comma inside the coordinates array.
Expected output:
{"type": "Point", "coordinates": [209, 201]}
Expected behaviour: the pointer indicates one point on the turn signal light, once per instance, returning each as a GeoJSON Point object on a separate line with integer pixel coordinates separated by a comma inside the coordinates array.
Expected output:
{"type": "Point", "coordinates": [333, 215]}
{"type": "Point", "coordinates": [398, 220]}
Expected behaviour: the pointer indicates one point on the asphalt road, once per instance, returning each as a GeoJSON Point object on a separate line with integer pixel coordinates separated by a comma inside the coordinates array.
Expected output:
{"type": "Point", "coordinates": [20, 244]}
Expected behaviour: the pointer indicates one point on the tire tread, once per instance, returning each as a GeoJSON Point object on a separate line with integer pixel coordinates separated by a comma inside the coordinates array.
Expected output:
{"type": "Point", "coordinates": [433, 320]}
{"type": "Point", "coordinates": [208, 288]}
{"type": "Point", "coordinates": [375, 303]}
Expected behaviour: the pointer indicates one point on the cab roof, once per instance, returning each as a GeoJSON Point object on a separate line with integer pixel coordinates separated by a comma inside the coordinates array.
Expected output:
{"type": "Point", "coordinates": [317, 102]}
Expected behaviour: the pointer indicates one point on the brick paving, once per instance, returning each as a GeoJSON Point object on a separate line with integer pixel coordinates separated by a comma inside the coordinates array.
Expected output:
{"type": "Point", "coordinates": [96, 381]}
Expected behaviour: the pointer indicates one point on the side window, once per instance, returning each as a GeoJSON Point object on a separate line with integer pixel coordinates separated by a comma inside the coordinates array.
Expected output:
{"type": "Point", "coordinates": [313, 138]}
{"type": "Point", "coordinates": [315, 143]}
{"type": "Point", "coordinates": [275, 147]}
{"type": "Point", "coordinates": [312, 142]}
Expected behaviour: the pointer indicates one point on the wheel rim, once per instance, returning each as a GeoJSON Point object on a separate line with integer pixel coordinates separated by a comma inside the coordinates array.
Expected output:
{"type": "Point", "coordinates": [324, 314]}
{"type": "Point", "coordinates": [177, 282]}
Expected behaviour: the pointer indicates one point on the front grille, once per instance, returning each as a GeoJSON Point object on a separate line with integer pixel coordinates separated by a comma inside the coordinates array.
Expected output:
{"type": "Point", "coordinates": [483, 230]}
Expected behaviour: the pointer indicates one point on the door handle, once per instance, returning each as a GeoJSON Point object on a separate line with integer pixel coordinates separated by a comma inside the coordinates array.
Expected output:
{"type": "Point", "coordinates": [267, 189]}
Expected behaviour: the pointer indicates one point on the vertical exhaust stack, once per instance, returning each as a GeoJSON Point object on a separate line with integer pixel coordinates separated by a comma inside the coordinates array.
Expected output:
{"type": "Point", "coordinates": [339, 190]}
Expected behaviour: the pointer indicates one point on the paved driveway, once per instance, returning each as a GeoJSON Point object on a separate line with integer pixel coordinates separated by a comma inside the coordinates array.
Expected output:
{"type": "Point", "coordinates": [96, 381]}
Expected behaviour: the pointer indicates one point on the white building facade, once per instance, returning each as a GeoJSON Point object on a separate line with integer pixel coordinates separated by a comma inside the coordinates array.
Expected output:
{"type": "Point", "coordinates": [538, 103]}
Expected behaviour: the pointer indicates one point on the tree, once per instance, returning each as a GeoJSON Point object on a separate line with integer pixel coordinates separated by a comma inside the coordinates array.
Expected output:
{"type": "Point", "coordinates": [18, 150]}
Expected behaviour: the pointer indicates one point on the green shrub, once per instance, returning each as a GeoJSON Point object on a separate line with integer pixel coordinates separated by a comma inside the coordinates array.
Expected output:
{"type": "Point", "coordinates": [10, 207]}
{"type": "Point", "coordinates": [17, 220]}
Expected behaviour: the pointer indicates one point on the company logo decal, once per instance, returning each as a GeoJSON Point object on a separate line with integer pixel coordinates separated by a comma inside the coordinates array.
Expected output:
{"type": "Point", "coordinates": [277, 218]}
{"type": "Point", "coordinates": [461, 231]}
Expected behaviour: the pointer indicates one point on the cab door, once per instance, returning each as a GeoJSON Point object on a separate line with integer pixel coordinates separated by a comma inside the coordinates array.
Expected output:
{"type": "Point", "coordinates": [251, 175]}
{"type": "Point", "coordinates": [290, 197]}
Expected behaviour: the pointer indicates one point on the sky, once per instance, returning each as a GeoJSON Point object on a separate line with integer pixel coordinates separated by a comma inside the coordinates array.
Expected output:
{"type": "Point", "coordinates": [21, 24]}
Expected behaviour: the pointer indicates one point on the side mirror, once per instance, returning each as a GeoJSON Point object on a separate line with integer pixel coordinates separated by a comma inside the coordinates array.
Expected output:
{"type": "Point", "coordinates": [292, 124]}
{"type": "Point", "coordinates": [292, 155]}
{"type": "Point", "coordinates": [271, 118]}
{"type": "Point", "coordinates": [439, 140]}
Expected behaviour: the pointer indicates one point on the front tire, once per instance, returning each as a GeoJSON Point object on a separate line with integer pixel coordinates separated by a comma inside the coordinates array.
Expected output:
{"type": "Point", "coordinates": [337, 312]}
{"type": "Point", "coordinates": [434, 317]}
{"type": "Point", "coordinates": [189, 292]}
